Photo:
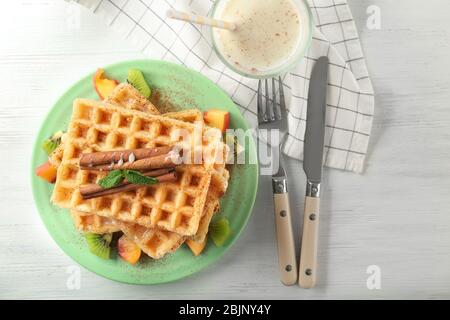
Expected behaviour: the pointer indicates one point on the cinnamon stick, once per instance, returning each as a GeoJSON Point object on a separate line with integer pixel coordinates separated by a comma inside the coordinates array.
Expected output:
{"type": "Point", "coordinates": [90, 160]}
{"type": "Point", "coordinates": [91, 191]}
{"type": "Point", "coordinates": [158, 162]}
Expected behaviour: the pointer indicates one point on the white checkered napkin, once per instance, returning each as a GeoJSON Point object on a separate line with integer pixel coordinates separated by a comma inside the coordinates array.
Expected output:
{"type": "Point", "coordinates": [350, 94]}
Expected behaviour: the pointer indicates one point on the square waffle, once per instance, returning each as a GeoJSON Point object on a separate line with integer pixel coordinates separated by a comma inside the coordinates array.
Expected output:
{"type": "Point", "coordinates": [154, 242]}
{"type": "Point", "coordinates": [88, 222]}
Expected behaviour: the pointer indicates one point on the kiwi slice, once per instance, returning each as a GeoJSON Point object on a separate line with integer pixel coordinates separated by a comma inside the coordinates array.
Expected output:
{"type": "Point", "coordinates": [108, 238]}
{"type": "Point", "coordinates": [137, 80]}
{"type": "Point", "coordinates": [99, 244]}
{"type": "Point", "coordinates": [220, 231]}
{"type": "Point", "coordinates": [232, 140]}
{"type": "Point", "coordinates": [50, 144]}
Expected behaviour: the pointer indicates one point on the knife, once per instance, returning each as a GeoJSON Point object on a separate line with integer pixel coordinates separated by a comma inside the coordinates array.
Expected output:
{"type": "Point", "coordinates": [312, 165]}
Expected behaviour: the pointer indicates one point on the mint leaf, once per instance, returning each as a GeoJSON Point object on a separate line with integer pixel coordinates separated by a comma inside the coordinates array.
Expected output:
{"type": "Point", "coordinates": [113, 179]}
{"type": "Point", "coordinates": [116, 177]}
{"type": "Point", "coordinates": [136, 177]}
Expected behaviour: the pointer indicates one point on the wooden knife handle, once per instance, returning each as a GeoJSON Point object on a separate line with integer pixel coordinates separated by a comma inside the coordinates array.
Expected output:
{"type": "Point", "coordinates": [308, 255]}
{"type": "Point", "coordinates": [285, 239]}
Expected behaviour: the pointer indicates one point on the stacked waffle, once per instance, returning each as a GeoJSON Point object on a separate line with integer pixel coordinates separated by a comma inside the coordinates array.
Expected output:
{"type": "Point", "coordinates": [160, 217]}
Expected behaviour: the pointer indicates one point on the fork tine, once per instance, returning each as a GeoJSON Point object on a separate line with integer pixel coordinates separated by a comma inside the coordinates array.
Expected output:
{"type": "Point", "coordinates": [276, 110]}
{"type": "Point", "coordinates": [266, 114]}
{"type": "Point", "coordinates": [269, 104]}
{"type": "Point", "coordinates": [283, 110]}
{"type": "Point", "coordinates": [260, 104]}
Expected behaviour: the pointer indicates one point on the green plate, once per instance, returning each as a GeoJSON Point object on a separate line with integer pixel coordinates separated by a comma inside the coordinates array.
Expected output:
{"type": "Point", "coordinates": [186, 89]}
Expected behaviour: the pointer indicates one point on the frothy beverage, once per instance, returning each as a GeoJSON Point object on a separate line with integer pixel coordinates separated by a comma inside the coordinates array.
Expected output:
{"type": "Point", "coordinates": [267, 35]}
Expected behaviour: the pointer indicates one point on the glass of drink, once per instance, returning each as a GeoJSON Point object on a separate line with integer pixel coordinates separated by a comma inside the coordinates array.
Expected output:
{"type": "Point", "coordinates": [271, 35]}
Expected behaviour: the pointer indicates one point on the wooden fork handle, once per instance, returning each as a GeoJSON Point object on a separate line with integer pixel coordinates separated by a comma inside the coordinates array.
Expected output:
{"type": "Point", "coordinates": [308, 254]}
{"type": "Point", "coordinates": [287, 259]}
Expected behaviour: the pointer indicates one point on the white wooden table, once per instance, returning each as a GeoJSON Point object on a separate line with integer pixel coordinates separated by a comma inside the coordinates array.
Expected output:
{"type": "Point", "coordinates": [395, 216]}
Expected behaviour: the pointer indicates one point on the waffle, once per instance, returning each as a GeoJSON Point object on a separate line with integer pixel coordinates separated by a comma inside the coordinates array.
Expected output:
{"type": "Point", "coordinates": [157, 243]}
{"type": "Point", "coordinates": [145, 238]}
{"type": "Point", "coordinates": [126, 96]}
{"type": "Point", "coordinates": [86, 222]}
{"type": "Point", "coordinates": [212, 205]}
{"type": "Point", "coordinates": [154, 242]}
{"type": "Point", "coordinates": [95, 126]}
{"type": "Point", "coordinates": [190, 115]}
{"type": "Point", "coordinates": [57, 155]}
{"type": "Point", "coordinates": [89, 222]}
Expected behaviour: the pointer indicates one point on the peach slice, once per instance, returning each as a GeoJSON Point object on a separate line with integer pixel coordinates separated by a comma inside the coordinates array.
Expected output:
{"type": "Point", "coordinates": [196, 247]}
{"type": "Point", "coordinates": [219, 119]}
{"type": "Point", "coordinates": [46, 172]}
{"type": "Point", "coordinates": [103, 85]}
{"type": "Point", "coordinates": [128, 250]}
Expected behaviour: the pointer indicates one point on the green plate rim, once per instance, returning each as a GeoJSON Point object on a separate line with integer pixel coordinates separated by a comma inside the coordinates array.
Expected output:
{"type": "Point", "coordinates": [72, 253]}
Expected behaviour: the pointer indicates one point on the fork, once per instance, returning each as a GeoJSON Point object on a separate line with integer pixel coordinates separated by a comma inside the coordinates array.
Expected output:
{"type": "Point", "coordinates": [273, 116]}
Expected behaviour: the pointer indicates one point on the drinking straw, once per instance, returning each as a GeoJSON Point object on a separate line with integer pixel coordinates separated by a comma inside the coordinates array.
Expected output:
{"type": "Point", "coordinates": [215, 23]}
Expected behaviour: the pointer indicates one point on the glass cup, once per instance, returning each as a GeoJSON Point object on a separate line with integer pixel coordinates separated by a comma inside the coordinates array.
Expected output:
{"type": "Point", "coordinates": [306, 31]}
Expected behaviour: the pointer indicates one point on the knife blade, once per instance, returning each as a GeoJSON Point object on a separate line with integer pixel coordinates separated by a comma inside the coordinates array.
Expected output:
{"type": "Point", "coordinates": [315, 121]}
{"type": "Point", "coordinates": [312, 165]}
